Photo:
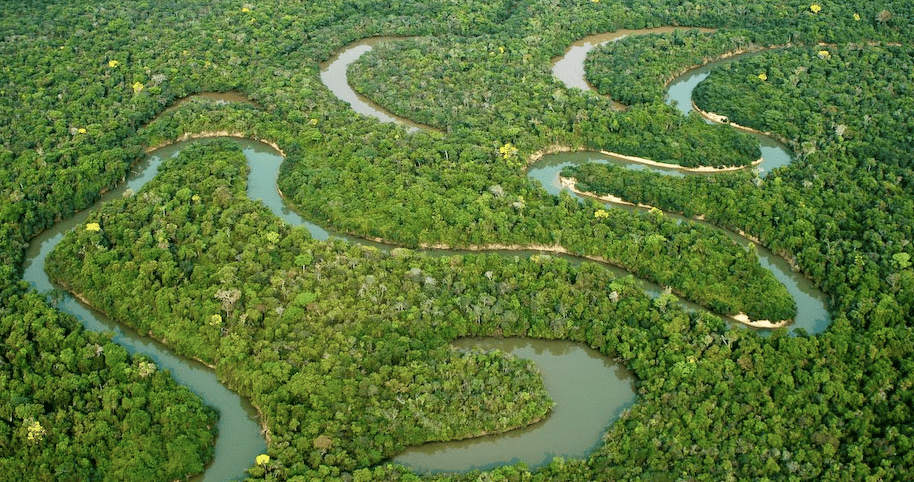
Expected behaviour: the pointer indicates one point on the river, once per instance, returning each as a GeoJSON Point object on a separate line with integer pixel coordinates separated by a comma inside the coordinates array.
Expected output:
{"type": "Point", "coordinates": [812, 314]}
{"type": "Point", "coordinates": [568, 368]}
{"type": "Point", "coordinates": [569, 68]}
{"type": "Point", "coordinates": [812, 308]}
{"type": "Point", "coordinates": [239, 438]}
{"type": "Point", "coordinates": [589, 392]}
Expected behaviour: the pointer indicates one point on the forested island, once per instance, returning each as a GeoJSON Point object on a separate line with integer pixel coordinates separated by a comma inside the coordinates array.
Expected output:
{"type": "Point", "coordinates": [344, 349]}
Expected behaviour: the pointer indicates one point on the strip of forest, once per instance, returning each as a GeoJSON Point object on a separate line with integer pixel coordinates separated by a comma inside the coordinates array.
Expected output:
{"type": "Point", "coordinates": [345, 349]}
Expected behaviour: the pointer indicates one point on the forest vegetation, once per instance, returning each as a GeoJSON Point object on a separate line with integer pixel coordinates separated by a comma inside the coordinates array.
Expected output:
{"type": "Point", "coordinates": [345, 349]}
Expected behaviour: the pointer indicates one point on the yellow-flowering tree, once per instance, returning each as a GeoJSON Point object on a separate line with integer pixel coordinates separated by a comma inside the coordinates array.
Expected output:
{"type": "Point", "coordinates": [146, 368]}
{"type": "Point", "coordinates": [35, 431]}
{"type": "Point", "coordinates": [507, 151]}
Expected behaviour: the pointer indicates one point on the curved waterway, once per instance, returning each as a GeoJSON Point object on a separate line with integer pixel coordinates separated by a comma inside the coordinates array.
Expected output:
{"type": "Point", "coordinates": [589, 390]}
{"type": "Point", "coordinates": [812, 312]}
{"type": "Point", "coordinates": [239, 440]}
{"type": "Point", "coordinates": [334, 76]}
{"type": "Point", "coordinates": [569, 68]}
{"type": "Point", "coordinates": [679, 94]}
{"type": "Point", "coordinates": [812, 304]}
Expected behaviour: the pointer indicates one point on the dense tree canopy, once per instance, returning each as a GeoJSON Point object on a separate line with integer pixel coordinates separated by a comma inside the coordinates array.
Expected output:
{"type": "Point", "coordinates": [345, 349]}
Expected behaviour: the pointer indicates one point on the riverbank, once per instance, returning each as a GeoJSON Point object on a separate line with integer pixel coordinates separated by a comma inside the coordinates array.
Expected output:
{"type": "Point", "coordinates": [213, 134]}
{"type": "Point", "coordinates": [554, 149]}
{"type": "Point", "coordinates": [721, 119]}
{"type": "Point", "coordinates": [227, 417]}
{"type": "Point", "coordinates": [571, 184]}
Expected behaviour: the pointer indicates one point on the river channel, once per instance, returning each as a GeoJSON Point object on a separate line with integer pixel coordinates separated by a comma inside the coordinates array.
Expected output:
{"type": "Point", "coordinates": [569, 68]}
{"type": "Point", "coordinates": [239, 440]}
{"type": "Point", "coordinates": [589, 389]}
{"type": "Point", "coordinates": [812, 314]}
{"type": "Point", "coordinates": [812, 311]}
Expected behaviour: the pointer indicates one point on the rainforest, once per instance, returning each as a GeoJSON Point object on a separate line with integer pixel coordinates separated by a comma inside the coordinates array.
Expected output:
{"type": "Point", "coordinates": [323, 240]}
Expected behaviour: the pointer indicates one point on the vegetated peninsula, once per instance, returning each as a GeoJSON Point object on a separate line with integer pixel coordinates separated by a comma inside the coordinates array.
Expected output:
{"type": "Point", "coordinates": [345, 350]}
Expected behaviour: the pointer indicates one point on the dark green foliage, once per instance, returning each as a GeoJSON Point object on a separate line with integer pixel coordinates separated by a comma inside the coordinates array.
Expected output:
{"type": "Point", "coordinates": [713, 403]}
{"type": "Point", "coordinates": [491, 85]}
{"type": "Point", "coordinates": [466, 208]}
{"type": "Point", "coordinates": [327, 339]}
{"type": "Point", "coordinates": [104, 414]}
{"type": "Point", "coordinates": [636, 69]}
{"type": "Point", "coordinates": [853, 98]}
{"type": "Point", "coordinates": [850, 177]}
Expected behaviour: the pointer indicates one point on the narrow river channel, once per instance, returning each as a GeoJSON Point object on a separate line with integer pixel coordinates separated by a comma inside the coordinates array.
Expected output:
{"type": "Point", "coordinates": [812, 310]}
{"type": "Point", "coordinates": [239, 440]}
{"type": "Point", "coordinates": [569, 68]}
{"type": "Point", "coordinates": [602, 387]}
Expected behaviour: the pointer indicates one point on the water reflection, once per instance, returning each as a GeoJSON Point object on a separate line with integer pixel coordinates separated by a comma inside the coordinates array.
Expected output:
{"type": "Point", "coordinates": [590, 391]}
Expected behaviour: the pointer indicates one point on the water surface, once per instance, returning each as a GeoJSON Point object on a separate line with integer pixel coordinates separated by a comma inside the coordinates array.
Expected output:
{"type": "Point", "coordinates": [812, 304]}
{"type": "Point", "coordinates": [590, 391]}
{"type": "Point", "coordinates": [334, 74]}
{"type": "Point", "coordinates": [239, 440]}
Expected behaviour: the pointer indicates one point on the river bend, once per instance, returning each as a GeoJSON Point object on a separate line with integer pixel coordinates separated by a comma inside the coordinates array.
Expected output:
{"type": "Point", "coordinates": [239, 439]}
{"type": "Point", "coordinates": [812, 311]}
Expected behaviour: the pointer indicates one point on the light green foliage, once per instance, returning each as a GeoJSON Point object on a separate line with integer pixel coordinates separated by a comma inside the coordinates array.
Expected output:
{"type": "Point", "coordinates": [80, 83]}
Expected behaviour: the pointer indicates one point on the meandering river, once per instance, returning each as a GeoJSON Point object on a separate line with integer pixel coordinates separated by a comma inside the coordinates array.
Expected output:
{"type": "Point", "coordinates": [239, 438]}
{"type": "Point", "coordinates": [812, 312]}
{"type": "Point", "coordinates": [589, 390]}
{"type": "Point", "coordinates": [577, 377]}
{"type": "Point", "coordinates": [569, 68]}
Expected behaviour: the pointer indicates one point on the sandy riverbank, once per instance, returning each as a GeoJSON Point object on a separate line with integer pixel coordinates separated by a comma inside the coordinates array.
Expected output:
{"type": "Point", "coordinates": [213, 134]}
{"type": "Point", "coordinates": [554, 149]}
{"type": "Point", "coordinates": [721, 119]}
{"type": "Point", "coordinates": [570, 183]}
